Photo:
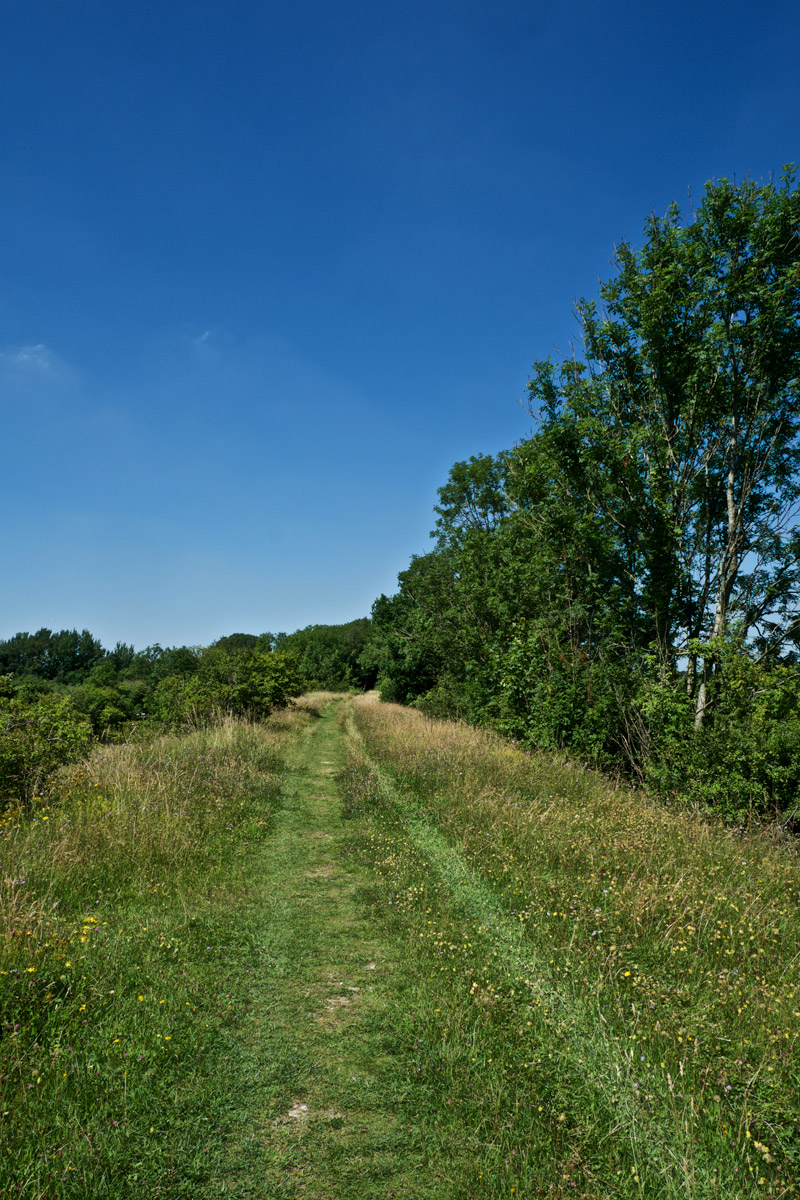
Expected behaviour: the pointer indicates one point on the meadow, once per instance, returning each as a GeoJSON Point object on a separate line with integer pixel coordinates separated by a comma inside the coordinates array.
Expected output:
{"type": "Point", "coordinates": [125, 961]}
{"type": "Point", "coordinates": [381, 954]}
{"type": "Point", "coordinates": [608, 993]}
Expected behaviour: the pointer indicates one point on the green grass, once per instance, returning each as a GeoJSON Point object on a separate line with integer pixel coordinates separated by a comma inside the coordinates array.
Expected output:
{"type": "Point", "coordinates": [355, 952]}
{"type": "Point", "coordinates": [125, 969]}
{"type": "Point", "coordinates": [211, 1009]}
{"type": "Point", "coordinates": [607, 993]}
{"type": "Point", "coordinates": [323, 1119]}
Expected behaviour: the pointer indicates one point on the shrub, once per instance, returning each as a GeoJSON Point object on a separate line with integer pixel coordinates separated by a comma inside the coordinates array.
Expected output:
{"type": "Point", "coordinates": [38, 735]}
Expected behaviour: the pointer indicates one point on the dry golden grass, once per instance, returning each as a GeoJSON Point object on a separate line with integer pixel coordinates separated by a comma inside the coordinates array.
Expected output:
{"type": "Point", "coordinates": [314, 702]}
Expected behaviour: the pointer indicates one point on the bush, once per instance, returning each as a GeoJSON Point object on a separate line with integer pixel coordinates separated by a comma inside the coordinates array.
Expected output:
{"type": "Point", "coordinates": [38, 735]}
{"type": "Point", "coordinates": [110, 709]}
{"type": "Point", "coordinates": [745, 760]}
{"type": "Point", "coordinates": [238, 682]}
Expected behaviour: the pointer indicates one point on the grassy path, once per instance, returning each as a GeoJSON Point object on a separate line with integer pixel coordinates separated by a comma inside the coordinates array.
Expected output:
{"type": "Point", "coordinates": [403, 1038]}
{"type": "Point", "coordinates": [319, 1118]}
{"type": "Point", "coordinates": [369, 1070]}
{"type": "Point", "coordinates": [363, 954]}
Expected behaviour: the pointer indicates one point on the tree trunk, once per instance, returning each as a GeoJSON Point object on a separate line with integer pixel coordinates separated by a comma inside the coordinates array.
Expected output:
{"type": "Point", "coordinates": [728, 570]}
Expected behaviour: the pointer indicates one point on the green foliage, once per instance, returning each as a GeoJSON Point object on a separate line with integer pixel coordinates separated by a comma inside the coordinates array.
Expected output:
{"type": "Point", "coordinates": [70, 681]}
{"type": "Point", "coordinates": [685, 419]}
{"type": "Point", "coordinates": [404, 646]}
{"type": "Point", "coordinates": [238, 682]}
{"type": "Point", "coordinates": [474, 498]}
{"type": "Point", "coordinates": [155, 663]}
{"type": "Point", "coordinates": [332, 657]}
{"type": "Point", "coordinates": [36, 736]}
{"type": "Point", "coordinates": [438, 641]}
{"type": "Point", "coordinates": [559, 695]}
{"type": "Point", "coordinates": [652, 516]}
{"type": "Point", "coordinates": [237, 641]}
{"type": "Point", "coordinates": [62, 656]}
{"type": "Point", "coordinates": [743, 761]}
{"type": "Point", "coordinates": [111, 709]}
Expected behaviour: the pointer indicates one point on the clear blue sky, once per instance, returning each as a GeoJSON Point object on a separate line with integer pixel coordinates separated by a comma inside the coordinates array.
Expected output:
{"type": "Point", "coordinates": [269, 269]}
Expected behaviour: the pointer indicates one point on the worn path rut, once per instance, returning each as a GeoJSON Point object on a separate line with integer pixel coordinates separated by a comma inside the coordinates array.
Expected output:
{"type": "Point", "coordinates": [318, 1117]}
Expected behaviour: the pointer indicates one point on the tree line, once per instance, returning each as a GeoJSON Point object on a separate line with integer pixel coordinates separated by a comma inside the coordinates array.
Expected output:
{"type": "Point", "coordinates": [623, 585]}
{"type": "Point", "coordinates": [62, 691]}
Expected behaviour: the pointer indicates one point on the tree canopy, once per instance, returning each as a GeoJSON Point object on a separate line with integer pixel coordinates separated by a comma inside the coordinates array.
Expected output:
{"type": "Point", "coordinates": [589, 586]}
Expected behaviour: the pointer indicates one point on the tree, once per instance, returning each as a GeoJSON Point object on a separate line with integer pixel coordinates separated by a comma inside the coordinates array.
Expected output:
{"type": "Point", "coordinates": [64, 655]}
{"type": "Point", "coordinates": [685, 419]}
{"type": "Point", "coordinates": [236, 681]}
{"type": "Point", "coordinates": [624, 584]}
{"type": "Point", "coordinates": [474, 498]}
{"type": "Point", "coordinates": [330, 656]}
{"type": "Point", "coordinates": [237, 641]}
{"type": "Point", "coordinates": [439, 642]}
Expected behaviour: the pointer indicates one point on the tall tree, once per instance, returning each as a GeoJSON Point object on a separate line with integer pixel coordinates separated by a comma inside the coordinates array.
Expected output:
{"type": "Point", "coordinates": [686, 416]}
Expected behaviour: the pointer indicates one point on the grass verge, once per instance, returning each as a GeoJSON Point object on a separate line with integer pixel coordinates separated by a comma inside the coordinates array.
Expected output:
{"type": "Point", "coordinates": [125, 966]}
{"type": "Point", "coordinates": [392, 958]}
{"type": "Point", "coordinates": [606, 994]}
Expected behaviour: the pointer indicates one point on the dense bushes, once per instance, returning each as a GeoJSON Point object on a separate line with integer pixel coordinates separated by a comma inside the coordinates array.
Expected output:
{"type": "Point", "coordinates": [331, 657]}
{"type": "Point", "coordinates": [625, 584]}
{"type": "Point", "coordinates": [37, 734]}
{"type": "Point", "coordinates": [495, 636]}
{"type": "Point", "coordinates": [241, 682]}
{"type": "Point", "coordinates": [745, 759]}
{"type": "Point", "coordinates": [60, 690]}
{"type": "Point", "coordinates": [63, 690]}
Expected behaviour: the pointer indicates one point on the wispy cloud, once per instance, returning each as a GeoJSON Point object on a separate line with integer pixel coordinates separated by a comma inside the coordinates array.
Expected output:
{"type": "Point", "coordinates": [34, 362]}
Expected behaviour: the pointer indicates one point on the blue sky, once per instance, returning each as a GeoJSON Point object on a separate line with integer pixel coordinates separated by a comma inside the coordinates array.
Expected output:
{"type": "Point", "coordinates": [267, 270]}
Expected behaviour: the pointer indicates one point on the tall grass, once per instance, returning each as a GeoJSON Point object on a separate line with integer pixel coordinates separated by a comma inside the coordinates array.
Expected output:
{"type": "Point", "coordinates": [123, 961]}
{"type": "Point", "coordinates": [609, 993]}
